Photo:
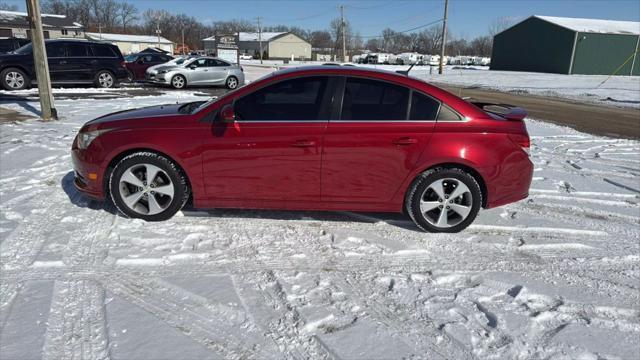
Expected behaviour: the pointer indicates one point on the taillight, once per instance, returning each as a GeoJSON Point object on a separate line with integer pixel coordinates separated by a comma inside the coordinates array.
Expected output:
{"type": "Point", "coordinates": [522, 141]}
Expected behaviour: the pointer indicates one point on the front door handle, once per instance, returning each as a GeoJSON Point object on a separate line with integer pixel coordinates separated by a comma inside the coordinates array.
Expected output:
{"type": "Point", "coordinates": [304, 143]}
{"type": "Point", "coordinates": [63, 61]}
{"type": "Point", "coordinates": [405, 141]}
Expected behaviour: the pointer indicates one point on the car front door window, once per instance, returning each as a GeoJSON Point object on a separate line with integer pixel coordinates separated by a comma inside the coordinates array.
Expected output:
{"type": "Point", "coordinates": [289, 100]}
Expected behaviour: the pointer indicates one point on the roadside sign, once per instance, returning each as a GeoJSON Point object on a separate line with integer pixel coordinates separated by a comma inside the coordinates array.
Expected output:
{"type": "Point", "coordinates": [227, 47]}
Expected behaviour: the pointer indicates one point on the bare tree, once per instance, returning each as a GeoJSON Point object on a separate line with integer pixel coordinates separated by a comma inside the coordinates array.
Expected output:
{"type": "Point", "coordinates": [127, 13]}
{"type": "Point", "coordinates": [499, 24]}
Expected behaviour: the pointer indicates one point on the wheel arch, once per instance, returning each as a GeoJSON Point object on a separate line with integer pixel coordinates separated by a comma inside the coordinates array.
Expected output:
{"type": "Point", "coordinates": [450, 165]}
{"type": "Point", "coordinates": [121, 155]}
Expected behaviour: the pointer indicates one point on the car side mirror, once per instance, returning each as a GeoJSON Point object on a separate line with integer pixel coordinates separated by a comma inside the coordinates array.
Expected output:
{"type": "Point", "coordinates": [192, 67]}
{"type": "Point", "coordinates": [227, 115]}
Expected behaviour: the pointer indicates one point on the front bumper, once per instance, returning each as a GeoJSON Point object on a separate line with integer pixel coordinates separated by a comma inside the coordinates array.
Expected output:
{"type": "Point", "coordinates": [155, 78]}
{"type": "Point", "coordinates": [88, 175]}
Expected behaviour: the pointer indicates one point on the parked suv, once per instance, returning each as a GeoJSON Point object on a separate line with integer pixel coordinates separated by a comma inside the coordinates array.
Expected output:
{"type": "Point", "coordinates": [70, 62]}
{"type": "Point", "coordinates": [9, 44]}
{"type": "Point", "coordinates": [137, 64]}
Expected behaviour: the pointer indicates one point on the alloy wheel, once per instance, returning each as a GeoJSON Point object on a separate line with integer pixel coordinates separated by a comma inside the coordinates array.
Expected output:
{"type": "Point", "coordinates": [146, 189]}
{"type": "Point", "coordinates": [232, 83]}
{"type": "Point", "coordinates": [14, 80]}
{"type": "Point", "coordinates": [446, 202]}
{"type": "Point", "coordinates": [105, 79]}
{"type": "Point", "coordinates": [178, 82]}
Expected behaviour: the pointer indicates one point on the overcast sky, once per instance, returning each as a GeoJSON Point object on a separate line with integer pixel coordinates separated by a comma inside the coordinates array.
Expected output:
{"type": "Point", "coordinates": [468, 18]}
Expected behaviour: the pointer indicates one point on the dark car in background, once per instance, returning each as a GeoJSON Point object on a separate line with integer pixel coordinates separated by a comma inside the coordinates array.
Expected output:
{"type": "Point", "coordinates": [70, 62]}
{"type": "Point", "coordinates": [137, 64]}
{"type": "Point", "coordinates": [9, 44]}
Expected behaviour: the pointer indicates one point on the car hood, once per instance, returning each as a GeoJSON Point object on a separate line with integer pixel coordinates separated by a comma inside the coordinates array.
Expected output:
{"type": "Point", "coordinates": [145, 112]}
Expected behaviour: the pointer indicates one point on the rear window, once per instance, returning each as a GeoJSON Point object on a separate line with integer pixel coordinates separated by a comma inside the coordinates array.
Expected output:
{"type": "Point", "coordinates": [102, 51]}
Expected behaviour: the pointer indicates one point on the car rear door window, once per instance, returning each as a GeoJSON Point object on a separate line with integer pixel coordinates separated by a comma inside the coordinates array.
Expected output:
{"type": "Point", "coordinates": [55, 50]}
{"type": "Point", "coordinates": [423, 107]}
{"type": "Point", "coordinates": [76, 50]}
{"type": "Point", "coordinates": [289, 100]}
{"type": "Point", "coordinates": [373, 100]}
{"type": "Point", "coordinates": [102, 51]}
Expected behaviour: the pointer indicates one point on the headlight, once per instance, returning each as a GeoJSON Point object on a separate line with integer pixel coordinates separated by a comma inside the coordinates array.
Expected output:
{"type": "Point", "coordinates": [85, 138]}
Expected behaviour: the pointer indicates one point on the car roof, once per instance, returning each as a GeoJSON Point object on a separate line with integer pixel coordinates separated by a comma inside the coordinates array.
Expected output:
{"type": "Point", "coordinates": [341, 70]}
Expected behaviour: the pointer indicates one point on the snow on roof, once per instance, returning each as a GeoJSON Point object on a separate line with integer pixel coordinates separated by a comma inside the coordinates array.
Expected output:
{"type": "Point", "coordinates": [594, 25]}
{"type": "Point", "coordinates": [253, 36]}
{"type": "Point", "coordinates": [127, 38]}
{"type": "Point", "coordinates": [16, 18]}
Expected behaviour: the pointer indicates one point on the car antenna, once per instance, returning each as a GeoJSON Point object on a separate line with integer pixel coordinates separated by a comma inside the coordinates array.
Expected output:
{"type": "Point", "coordinates": [406, 72]}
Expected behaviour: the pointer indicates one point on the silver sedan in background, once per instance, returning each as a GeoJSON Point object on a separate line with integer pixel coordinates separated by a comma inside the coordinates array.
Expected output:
{"type": "Point", "coordinates": [201, 70]}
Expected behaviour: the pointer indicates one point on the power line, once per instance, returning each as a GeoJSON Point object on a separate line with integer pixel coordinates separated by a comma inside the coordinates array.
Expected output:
{"type": "Point", "coordinates": [396, 33]}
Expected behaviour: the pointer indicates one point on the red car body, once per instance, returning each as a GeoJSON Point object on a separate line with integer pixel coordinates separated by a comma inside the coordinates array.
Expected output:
{"type": "Point", "coordinates": [137, 64]}
{"type": "Point", "coordinates": [313, 165]}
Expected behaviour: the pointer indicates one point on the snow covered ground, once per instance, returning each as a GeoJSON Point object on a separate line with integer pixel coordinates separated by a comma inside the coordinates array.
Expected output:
{"type": "Point", "coordinates": [554, 276]}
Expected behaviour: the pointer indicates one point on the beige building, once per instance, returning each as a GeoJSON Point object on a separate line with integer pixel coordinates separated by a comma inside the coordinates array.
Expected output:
{"type": "Point", "coordinates": [129, 44]}
{"type": "Point", "coordinates": [277, 45]}
{"type": "Point", "coordinates": [16, 24]}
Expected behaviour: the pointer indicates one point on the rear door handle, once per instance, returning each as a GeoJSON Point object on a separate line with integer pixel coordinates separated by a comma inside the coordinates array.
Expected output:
{"type": "Point", "coordinates": [405, 141]}
{"type": "Point", "coordinates": [304, 143]}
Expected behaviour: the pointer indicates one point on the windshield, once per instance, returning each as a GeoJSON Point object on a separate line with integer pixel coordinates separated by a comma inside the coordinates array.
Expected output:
{"type": "Point", "coordinates": [130, 58]}
{"type": "Point", "coordinates": [24, 50]}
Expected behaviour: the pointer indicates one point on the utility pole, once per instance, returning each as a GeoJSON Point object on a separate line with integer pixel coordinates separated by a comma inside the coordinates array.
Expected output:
{"type": "Point", "coordinates": [260, 36]}
{"type": "Point", "coordinates": [444, 37]}
{"type": "Point", "coordinates": [182, 41]}
{"type": "Point", "coordinates": [40, 61]}
{"type": "Point", "coordinates": [344, 35]}
{"type": "Point", "coordinates": [158, 31]}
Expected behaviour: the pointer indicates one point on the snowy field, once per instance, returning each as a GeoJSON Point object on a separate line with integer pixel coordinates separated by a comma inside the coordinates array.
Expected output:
{"type": "Point", "coordinates": [554, 276]}
{"type": "Point", "coordinates": [621, 91]}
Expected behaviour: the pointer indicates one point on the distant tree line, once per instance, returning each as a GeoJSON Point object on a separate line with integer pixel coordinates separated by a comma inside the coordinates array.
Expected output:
{"type": "Point", "coordinates": [116, 16]}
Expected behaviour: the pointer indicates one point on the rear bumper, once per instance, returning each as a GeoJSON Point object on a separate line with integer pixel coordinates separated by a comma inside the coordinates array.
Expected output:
{"type": "Point", "coordinates": [512, 182]}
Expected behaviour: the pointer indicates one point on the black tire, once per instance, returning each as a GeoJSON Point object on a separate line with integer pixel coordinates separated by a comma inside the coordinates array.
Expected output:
{"type": "Point", "coordinates": [26, 81]}
{"type": "Point", "coordinates": [105, 79]}
{"type": "Point", "coordinates": [176, 84]}
{"type": "Point", "coordinates": [231, 83]}
{"type": "Point", "coordinates": [177, 177]}
{"type": "Point", "coordinates": [419, 188]}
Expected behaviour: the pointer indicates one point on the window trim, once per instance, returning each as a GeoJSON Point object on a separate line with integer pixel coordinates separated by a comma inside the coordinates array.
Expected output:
{"type": "Point", "coordinates": [328, 99]}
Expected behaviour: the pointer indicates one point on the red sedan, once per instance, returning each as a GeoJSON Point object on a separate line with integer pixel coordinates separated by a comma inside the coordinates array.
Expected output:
{"type": "Point", "coordinates": [312, 138]}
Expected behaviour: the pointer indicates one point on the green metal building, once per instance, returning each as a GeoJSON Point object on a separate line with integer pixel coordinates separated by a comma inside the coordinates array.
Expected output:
{"type": "Point", "coordinates": [568, 46]}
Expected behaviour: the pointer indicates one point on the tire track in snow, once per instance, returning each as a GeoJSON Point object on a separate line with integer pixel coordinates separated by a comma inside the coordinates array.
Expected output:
{"type": "Point", "coordinates": [76, 325]}
{"type": "Point", "coordinates": [196, 321]}
{"type": "Point", "coordinates": [264, 296]}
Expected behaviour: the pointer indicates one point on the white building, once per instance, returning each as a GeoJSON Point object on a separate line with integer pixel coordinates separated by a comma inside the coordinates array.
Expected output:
{"type": "Point", "coordinates": [129, 44]}
{"type": "Point", "coordinates": [16, 24]}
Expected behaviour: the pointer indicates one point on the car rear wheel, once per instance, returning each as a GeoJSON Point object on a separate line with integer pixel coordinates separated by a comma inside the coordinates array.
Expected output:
{"type": "Point", "coordinates": [444, 200]}
{"type": "Point", "coordinates": [105, 79]}
{"type": "Point", "coordinates": [232, 82]}
{"type": "Point", "coordinates": [14, 79]}
{"type": "Point", "coordinates": [148, 186]}
{"type": "Point", "coordinates": [178, 82]}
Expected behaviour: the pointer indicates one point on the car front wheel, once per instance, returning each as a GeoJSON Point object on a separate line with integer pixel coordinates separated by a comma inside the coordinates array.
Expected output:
{"type": "Point", "coordinates": [178, 82]}
{"type": "Point", "coordinates": [148, 186]}
{"type": "Point", "coordinates": [444, 200]}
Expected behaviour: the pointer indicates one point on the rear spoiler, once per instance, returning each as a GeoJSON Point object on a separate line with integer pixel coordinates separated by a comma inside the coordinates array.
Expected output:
{"type": "Point", "coordinates": [509, 112]}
